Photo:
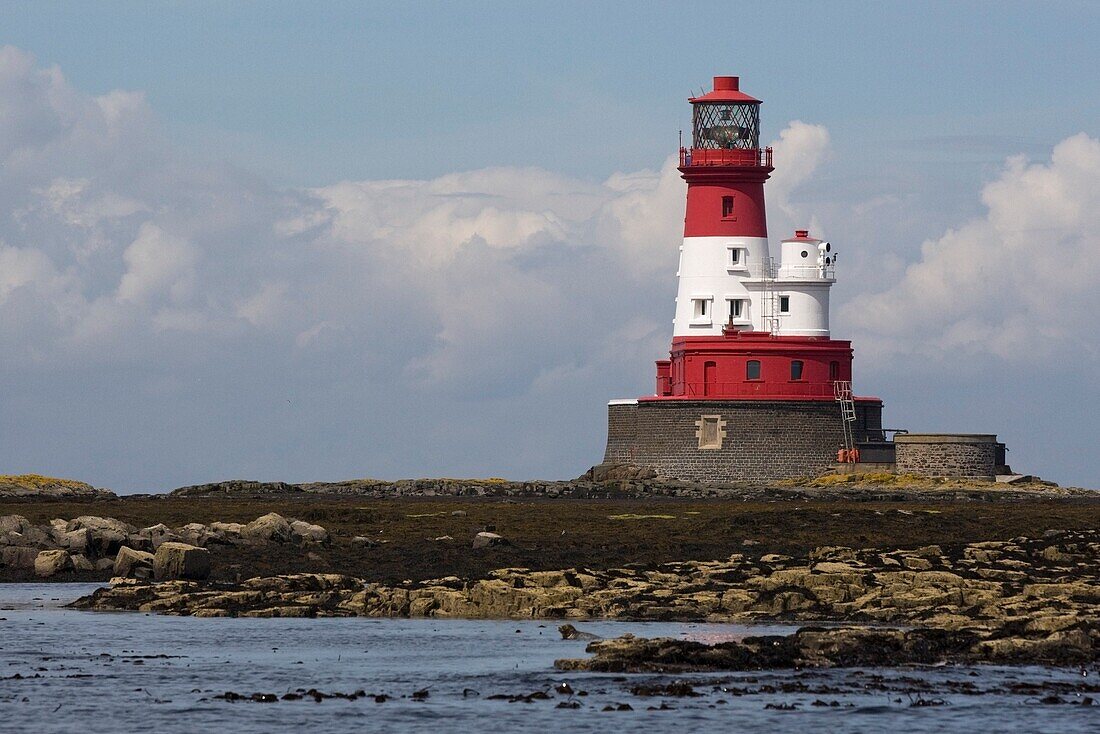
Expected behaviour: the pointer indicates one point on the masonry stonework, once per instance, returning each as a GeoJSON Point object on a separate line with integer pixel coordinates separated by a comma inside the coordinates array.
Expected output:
{"type": "Point", "coordinates": [971, 456]}
{"type": "Point", "coordinates": [763, 440]}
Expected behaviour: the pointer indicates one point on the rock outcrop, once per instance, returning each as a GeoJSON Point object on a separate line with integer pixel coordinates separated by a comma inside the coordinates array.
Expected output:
{"type": "Point", "coordinates": [1017, 600]}
{"type": "Point", "coordinates": [814, 647]}
{"type": "Point", "coordinates": [624, 481]}
{"type": "Point", "coordinates": [38, 487]}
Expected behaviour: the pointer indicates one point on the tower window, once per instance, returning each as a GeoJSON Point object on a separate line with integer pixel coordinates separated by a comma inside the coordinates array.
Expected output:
{"type": "Point", "coordinates": [701, 310]}
{"type": "Point", "coordinates": [796, 369]}
{"type": "Point", "coordinates": [736, 258]}
{"type": "Point", "coordinates": [784, 304]}
{"type": "Point", "coordinates": [727, 207]}
{"type": "Point", "coordinates": [834, 371]}
{"type": "Point", "coordinates": [736, 308]}
{"type": "Point", "coordinates": [752, 369]}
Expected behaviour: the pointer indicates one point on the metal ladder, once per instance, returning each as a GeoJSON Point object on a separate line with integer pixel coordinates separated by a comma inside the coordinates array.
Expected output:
{"type": "Point", "coordinates": [842, 393]}
{"type": "Point", "coordinates": [769, 306]}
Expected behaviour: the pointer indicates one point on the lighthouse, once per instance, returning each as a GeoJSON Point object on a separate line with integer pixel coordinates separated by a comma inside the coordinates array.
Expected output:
{"type": "Point", "coordinates": [754, 387]}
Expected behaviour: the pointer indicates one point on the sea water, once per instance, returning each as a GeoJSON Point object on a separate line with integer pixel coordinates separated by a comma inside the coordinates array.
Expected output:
{"type": "Point", "coordinates": [64, 670]}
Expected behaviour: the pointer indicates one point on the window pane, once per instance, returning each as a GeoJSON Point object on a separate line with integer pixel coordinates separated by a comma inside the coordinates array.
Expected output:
{"type": "Point", "coordinates": [784, 304]}
{"type": "Point", "coordinates": [752, 370]}
{"type": "Point", "coordinates": [796, 370]}
{"type": "Point", "coordinates": [727, 206]}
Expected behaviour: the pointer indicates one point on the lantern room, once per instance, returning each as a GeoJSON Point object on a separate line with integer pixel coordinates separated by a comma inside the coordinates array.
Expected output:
{"type": "Point", "coordinates": [725, 118]}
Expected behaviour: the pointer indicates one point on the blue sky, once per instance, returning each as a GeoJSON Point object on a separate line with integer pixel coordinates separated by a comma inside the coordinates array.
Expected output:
{"type": "Point", "coordinates": [229, 282]}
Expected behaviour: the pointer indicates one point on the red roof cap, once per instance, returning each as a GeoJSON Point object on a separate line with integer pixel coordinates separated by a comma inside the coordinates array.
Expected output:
{"type": "Point", "coordinates": [725, 90]}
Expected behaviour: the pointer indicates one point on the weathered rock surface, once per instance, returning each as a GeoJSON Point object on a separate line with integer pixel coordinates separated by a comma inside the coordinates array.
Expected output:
{"type": "Point", "coordinates": [271, 527]}
{"type": "Point", "coordinates": [52, 562]}
{"type": "Point", "coordinates": [181, 561]}
{"type": "Point", "coordinates": [130, 563]}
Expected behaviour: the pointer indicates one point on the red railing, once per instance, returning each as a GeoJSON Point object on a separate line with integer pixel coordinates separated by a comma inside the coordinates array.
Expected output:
{"type": "Point", "coordinates": [725, 157]}
{"type": "Point", "coordinates": [749, 389]}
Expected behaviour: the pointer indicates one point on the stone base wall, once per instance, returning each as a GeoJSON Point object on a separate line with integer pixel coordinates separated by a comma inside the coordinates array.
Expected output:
{"type": "Point", "coordinates": [971, 456]}
{"type": "Point", "coordinates": [733, 440]}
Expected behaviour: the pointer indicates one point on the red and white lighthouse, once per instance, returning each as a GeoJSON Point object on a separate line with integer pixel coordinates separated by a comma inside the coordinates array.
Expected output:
{"type": "Point", "coordinates": [747, 326]}
{"type": "Point", "coordinates": [755, 387]}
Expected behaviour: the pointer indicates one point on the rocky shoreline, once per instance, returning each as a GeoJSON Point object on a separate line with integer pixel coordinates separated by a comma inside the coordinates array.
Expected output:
{"type": "Point", "coordinates": [625, 484]}
{"type": "Point", "coordinates": [1021, 600]}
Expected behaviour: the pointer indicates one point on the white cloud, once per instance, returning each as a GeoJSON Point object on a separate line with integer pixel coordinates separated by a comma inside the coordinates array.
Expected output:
{"type": "Point", "coordinates": [158, 264]}
{"type": "Point", "coordinates": [799, 152]}
{"type": "Point", "coordinates": [1015, 283]}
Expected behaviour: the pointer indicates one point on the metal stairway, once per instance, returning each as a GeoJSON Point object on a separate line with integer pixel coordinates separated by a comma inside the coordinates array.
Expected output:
{"type": "Point", "coordinates": [842, 393]}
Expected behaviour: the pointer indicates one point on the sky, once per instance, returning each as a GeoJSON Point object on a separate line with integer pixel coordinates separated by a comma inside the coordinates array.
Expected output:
{"type": "Point", "coordinates": [318, 241]}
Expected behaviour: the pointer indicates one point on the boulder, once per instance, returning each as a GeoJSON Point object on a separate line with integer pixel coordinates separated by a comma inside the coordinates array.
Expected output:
{"type": "Point", "coordinates": [13, 523]}
{"type": "Point", "coordinates": [94, 522]}
{"type": "Point", "coordinates": [38, 537]}
{"type": "Point", "coordinates": [157, 534]}
{"type": "Point", "coordinates": [130, 563]}
{"type": "Point", "coordinates": [228, 529]}
{"type": "Point", "coordinates": [52, 562]}
{"type": "Point", "coordinates": [106, 533]}
{"type": "Point", "coordinates": [485, 540]}
{"type": "Point", "coordinates": [271, 527]}
{"type": "Point", "coordinates": [81, 562]}
{"type": "Point", "coordinates": [75, 541]}
{"type": "Point", "coordinates": [18, 557]}
{"type": "Point", "coordinates": [181, 561]}
{"type": "Point", "coordinates": [10, 537]}
{"type": "Point", "coordinates": [305, 532]}
{"type": "Point", "coordinates": [194, 533]}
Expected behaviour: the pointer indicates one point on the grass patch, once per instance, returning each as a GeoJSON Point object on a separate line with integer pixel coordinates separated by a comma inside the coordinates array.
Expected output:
{"type": "Point", "coordinates": [635, 516]}
{"type": "Point", "coordinates": [38, 481]}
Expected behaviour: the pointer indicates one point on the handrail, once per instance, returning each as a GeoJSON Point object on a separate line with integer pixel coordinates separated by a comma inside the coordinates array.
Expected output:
{"type": "Point", "coordinates": [752, 388]}
{"type": "Point", "coordinates": [725, 157]}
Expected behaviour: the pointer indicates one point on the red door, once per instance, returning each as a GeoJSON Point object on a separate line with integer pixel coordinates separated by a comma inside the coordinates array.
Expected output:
{"type": "Point", "coordinates": [710, 378]}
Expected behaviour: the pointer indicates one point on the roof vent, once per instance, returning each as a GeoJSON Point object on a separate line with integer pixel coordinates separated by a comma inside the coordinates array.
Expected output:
{"type": "Point", "coordinates": [725, 83]}
{"type": "Point", "coordinates": [802, 233]}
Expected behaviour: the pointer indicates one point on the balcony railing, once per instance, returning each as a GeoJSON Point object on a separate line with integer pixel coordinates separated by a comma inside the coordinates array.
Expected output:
{"type": "Point", "coordinates": [807, 271]}
{"type": "Point", "coordinates": [725, 157]}
{"type": "Point", "coordinates": [748, 389]}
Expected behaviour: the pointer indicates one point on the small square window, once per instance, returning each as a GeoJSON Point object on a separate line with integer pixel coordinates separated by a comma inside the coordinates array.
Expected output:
{"type": "Point", "coordinates": [710, 430]}
{"type": "Point", "coordinates": [796, 369]}
{"type": "Point", "coordinates": [736, 258]}
{"type": "Point", "coordinates": [784, 304]}
{"type": "Point", "coordinates": [701, 310]}
{"type": "Point", "coordinates": [752, 369]}
{"type": "Point", "coordinates": [727, 207]}
{"type": "Point", "coordinates": [736, 308]}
